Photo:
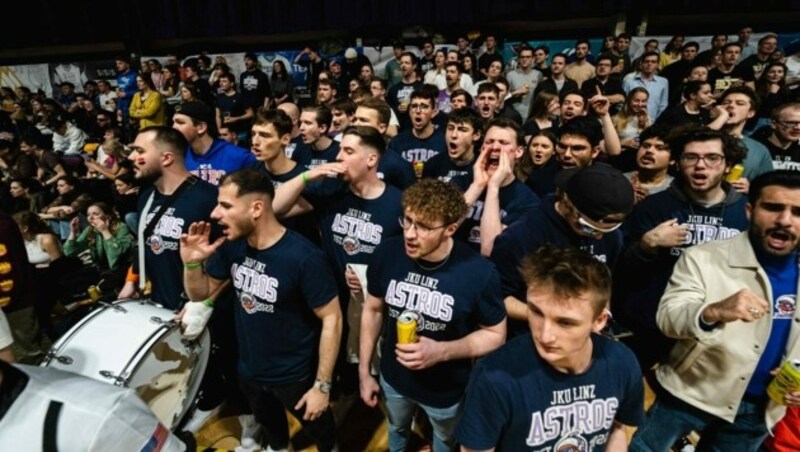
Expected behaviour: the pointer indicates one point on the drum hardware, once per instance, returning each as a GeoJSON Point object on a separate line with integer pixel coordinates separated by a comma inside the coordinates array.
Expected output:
{"type": "Point", "coordinates": [119, 380]}
{"type": "Point", "coordinates": [160, 321]}
{"type": "Point", "coordinates": [51, 355]}
{"type": "Point", "coordinates": [113, 306]}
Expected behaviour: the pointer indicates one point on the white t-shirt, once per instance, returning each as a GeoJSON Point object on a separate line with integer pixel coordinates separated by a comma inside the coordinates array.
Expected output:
{"type": "Point", "coordinates": [5, 332]}
{"type": "Point", "coordinates": [94, 416]}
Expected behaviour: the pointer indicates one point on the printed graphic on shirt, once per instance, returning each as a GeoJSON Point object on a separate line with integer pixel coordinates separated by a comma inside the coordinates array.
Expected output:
{"type": "Point", "coordinates": [784, 162]}
{"type": "Point", "coordinates": [785, 306]}
{"type": "Point", "coordinates": [168, 227]}
{"type": "Point", "coordinates": [257, 291]}
{"type": "Point", "coordinates": [355, 232]}
{"type": "Point", "coordinates": [475, 212]}
{"type": "Point", "coordinates": [702, 229]}
{"type": "Point", "coordinates": [419, 293]}
{"type": "Point", "coordinates": [208, 173]}
{"type": "Point", "coordinates": [419, 154]}
{"type": "Point", "coordinates": [573, 420]}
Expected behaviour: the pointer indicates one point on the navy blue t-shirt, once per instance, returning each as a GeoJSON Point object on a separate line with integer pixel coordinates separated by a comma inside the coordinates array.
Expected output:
{"type": "Point", "coordinates": [352, 227]}
{"type": "Point", "coordinates": [542, 226]}
{"type": "Point", "coordinates": [414, 149]}
{"type": "Point", "coordinates": [516, 401]}
{"type": "Point", "coordinates": [453, 301]}
{"type": "Point", "coordinates": [441, 167]}
{"type": "Point", "coordinates": [277, 290]}
{"type": "Point", "coordinates": [516, 202]}
{"type": "Point", "coordinates": [782, 272]}
{"type": "Point", "coordinates": [163, 264]}
{"type": "Point", "coordinates": [293, 145]}
{"type": "Point", "coordinates": [305, 224]}
{"type": "Point", "coordinates": [236, 105]}
{"type": "Point", "coordinates": [393, 170]}
{"type": "Point", "coordinates": [306, 156]}
{"type": "Point", "coordinates": [401, 93]}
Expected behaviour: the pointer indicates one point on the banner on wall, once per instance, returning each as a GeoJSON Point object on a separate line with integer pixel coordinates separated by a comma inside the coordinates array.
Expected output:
{"type": "Point", "coordinates": [46, 77]}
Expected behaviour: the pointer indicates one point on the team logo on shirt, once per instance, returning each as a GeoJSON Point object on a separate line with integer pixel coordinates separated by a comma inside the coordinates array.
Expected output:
{"type": "Point", "coordinates": [350, 245]}
{"type": "Point", "coordinates": [577, 420]}
{"type": "Point", "coordinates": [156, 244]}
{"type": "Point", "coordinates": [785, 306]}
{"type": "Point", "coordinates": [703, 229]}
{"type": "Point", "coordinates": [572, 443]}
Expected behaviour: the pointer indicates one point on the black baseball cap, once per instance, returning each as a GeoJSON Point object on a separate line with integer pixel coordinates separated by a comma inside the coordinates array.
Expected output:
{"type": "Point", "coordinates": [597, 191]}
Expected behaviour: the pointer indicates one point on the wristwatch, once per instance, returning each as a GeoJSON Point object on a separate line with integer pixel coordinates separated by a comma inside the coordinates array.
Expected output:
{"type": "Point", "coordinates": [323, 386]}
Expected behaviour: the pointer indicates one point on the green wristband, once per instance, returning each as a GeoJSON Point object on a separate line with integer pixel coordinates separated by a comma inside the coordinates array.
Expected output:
{"type": "Point", "coordinates": [192, 265]}
{"type": "Point", "coordinates": [305, 177]}
{"type": "Point", "coordinates": [208, 302]}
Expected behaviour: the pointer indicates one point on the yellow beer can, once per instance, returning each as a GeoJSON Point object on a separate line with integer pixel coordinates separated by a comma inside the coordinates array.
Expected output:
{"type": "Point", "coordinates": [407, 324]}
{"type": "Point", "coordinates": [787, 380]}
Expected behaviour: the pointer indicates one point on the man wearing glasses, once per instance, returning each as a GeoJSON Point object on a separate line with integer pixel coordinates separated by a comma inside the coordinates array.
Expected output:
{"type": "Point", "coordinates": [585, 212]}
{"type": "Point", "coordinates": [455, 295]}
{"type": "Point", "coordinates": [423, 140]}
{"type": "Point", "coordinates": [523, 81]}
{"type": "Point", "coordinates": [697, 208]}
{"type": "Point", "coordinates": [782, 138]}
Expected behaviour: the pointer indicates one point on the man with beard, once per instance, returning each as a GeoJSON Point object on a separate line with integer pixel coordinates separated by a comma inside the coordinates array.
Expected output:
{"type": "Point", "coordinates": [653, 161]}
{"type": "Point", "coordinates": [495, 196]}
{"type": "Point", "coordinates": [158, 155]}
{"type": "Point", "coordinates": [782, 138]}
{"type": "Point", "coordinates": [580, 214]}
{"type": "Point", "coordinates": [463, 132]}
{"type": "Point", "coordinates": [730, 304]}
{"type": "Point", "coordinates": [175, 200]}
{"type": "Point", "coordinates": [285, 290]}
{"type": "Point", "coordinates": [460, 318]}
{"type": "Point", "coordinates": [697, 208]}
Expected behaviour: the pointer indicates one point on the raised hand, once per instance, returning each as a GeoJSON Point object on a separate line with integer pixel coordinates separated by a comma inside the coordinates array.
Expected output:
{"type": "Point", "coordinates": [195, 245]}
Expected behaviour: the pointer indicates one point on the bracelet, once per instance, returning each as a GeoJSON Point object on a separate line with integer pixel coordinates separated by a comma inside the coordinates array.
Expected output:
{"type": "Point", "coordinates": [305, 178]}
{"type": "Point", "coordinates": [208, 302]}
{"type": "Point", "coordinates": [192, 265]}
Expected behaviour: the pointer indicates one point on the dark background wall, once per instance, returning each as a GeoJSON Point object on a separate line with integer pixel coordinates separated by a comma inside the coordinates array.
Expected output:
{"type": "Point", "coordinates": [49, 30]}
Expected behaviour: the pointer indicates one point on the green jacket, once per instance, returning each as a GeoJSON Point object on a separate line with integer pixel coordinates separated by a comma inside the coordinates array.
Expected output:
{"type": "Point", "coordinates": [112, 249]}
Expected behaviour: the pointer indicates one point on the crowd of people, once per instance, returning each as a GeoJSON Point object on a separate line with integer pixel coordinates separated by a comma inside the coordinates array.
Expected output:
{"type": "Point", "coordinates": [562, 230]}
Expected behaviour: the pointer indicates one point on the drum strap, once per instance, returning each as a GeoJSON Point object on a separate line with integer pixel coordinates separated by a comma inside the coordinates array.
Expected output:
{"type": "Point", "coordinates": [50, 434]}
{"type": "Point", "coordinates": [145, 230]}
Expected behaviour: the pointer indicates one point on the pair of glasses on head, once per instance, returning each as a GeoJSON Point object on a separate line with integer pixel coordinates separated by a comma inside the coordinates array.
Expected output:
{"type": "Point", "coordinates": [422, 230]}
{"type": "Point", "coordinates": [709, 159]}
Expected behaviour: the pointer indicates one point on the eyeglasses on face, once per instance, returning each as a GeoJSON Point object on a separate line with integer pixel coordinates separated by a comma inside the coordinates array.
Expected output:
{"type": "Point", "coordinates": [407, 223]}
{"type": "Point", "coordinates": [709, 159]}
